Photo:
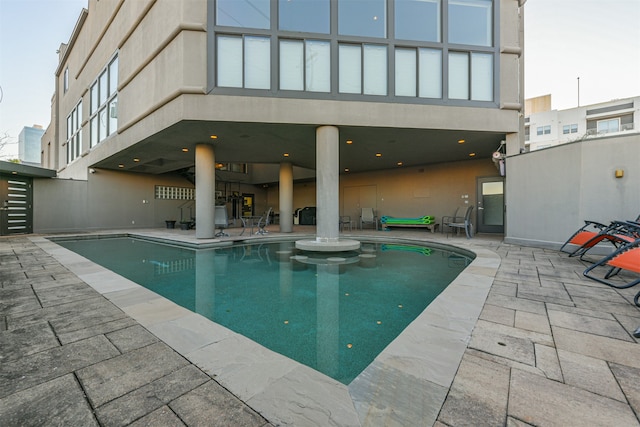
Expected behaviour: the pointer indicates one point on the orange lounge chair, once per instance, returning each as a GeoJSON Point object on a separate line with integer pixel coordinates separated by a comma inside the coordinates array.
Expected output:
{"type": "Point", "coordinates": [625, 258]}
{"type": "Point", "coordinates": [617, 233]}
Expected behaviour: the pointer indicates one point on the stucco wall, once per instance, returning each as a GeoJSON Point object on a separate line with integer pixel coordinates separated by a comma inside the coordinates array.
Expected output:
{"type": "Point", "coordinates": [551, 192]}
{"type": "Point", "coordinates": [107, 200]}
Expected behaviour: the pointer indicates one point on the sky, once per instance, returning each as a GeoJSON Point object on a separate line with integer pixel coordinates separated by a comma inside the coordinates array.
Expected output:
{"type": "Point", "coordinates": [597, 41]}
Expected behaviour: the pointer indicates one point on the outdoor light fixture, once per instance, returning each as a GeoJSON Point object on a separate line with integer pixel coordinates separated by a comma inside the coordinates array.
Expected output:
{"type": "Point", "coordinates": [120, 165]}
{"type": "Point", "coordinates": [346, 169]}
{"type": "Point", "coordinates": [348, 141]}
{"type": "Point", "coordinates": [472, 154]}
{"type": "Point", "coordinates": [399, 163]}
{"type": "Point", "coordinates": [136, 159]}
{"type": "Point", "coordinates": [286, 154]}
{"type": "Point", "coordinates": [461, 141]}
{"type": "Point", "coordinates": [214, 136]}
{"type": "Point", "coordinates": [378, 154]}
{"type": "Point", "coordinates": [619, 173]}
{"type": "Point", "coordinates": [185, 149]}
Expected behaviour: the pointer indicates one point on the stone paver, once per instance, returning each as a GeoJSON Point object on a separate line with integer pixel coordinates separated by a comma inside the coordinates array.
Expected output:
{"type": "Point", "coordinates": [550, 348]}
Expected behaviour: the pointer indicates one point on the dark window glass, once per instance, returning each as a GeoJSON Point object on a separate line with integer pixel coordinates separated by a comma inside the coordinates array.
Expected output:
{"type": "Point", "coordinates": [417, 20]}
{"type": "Point", "coordinates": [471, 22]}
{"type": "Point", "coordinates": [362, 18]}
{"type": "Point", "coordinates": [311, 16]}
{"type": "Point", "coordinates": [243, 13]}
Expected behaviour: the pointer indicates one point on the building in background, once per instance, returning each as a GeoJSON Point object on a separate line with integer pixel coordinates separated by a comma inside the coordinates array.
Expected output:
{"type": "Point", "coordinates": [545, 127]}
{"type": "Point", "coordinates": [29, 145]}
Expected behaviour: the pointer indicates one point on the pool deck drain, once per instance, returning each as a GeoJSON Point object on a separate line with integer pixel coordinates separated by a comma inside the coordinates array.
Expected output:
{"type": "Point", "coordinates": [520, 337]}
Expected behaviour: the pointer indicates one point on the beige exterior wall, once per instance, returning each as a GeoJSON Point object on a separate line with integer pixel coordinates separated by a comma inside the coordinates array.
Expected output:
{"type": "Point", "coordinates": [551, 192]}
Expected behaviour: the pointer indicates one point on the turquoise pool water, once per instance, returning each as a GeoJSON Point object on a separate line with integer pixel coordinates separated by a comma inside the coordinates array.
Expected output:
{"type": "Point", "coordinates": [332, 312]}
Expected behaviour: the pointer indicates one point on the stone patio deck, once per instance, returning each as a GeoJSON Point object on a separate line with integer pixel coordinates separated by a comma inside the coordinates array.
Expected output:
{"type": "Point", "coordinates": [549, 348]}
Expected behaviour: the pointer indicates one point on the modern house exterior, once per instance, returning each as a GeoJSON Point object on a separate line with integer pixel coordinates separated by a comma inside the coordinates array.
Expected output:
{"type": "Point", "coordinates": [158, 102]}
{"type": "Point", "coordinates": [545, 127]}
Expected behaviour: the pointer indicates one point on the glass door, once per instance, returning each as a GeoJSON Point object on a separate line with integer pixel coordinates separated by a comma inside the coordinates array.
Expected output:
{"type": "Point", "coordinates": [490, 205]}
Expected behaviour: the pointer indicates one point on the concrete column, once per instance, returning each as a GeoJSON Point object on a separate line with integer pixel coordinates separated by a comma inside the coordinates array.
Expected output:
{"type": "Point", "coordinates": [286, 197]}
{"type": "Point", "coordinates": [205, 191]}
{"type": "Point", "coordinates": [327, 183]}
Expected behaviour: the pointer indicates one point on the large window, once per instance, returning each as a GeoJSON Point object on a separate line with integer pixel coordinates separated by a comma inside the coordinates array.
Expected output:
{"type": "Point", "coordinates": [243, 13]}
{"type": "Point", "coordinates": [471, 22]}
{"type": "Point", "coordinates": [344, 48]}
{"type": "Point", "coordinates": [543, 130]}
{"type": "Point", "coordinates": [419, 72]}
{"type": "Point", "coordinates": [310, 16]}
{"type": "Point", "coordinates": [471, 76]}
{"type": "Point", "coordinates": [305, 65]}
{"type": "Point", "coordinates": [417, 20]}
{"type": "Point", "coordinates": [74, 133]}
{"type": "Point", "coordinates": [362, 18]}
{"type": "Point", "coordinates": [244, 62]}
{"type": "Point", "coordinates": [103, 104]}
{"type": "Point", "coordinates": [573, 128]}
{"type": "Point", "coordinates": [362, 69]}
{"type": "Point", "coordinates": [609, 125]}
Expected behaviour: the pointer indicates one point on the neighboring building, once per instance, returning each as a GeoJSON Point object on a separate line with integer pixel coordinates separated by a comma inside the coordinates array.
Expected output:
{"type": "Point", "coordinates": [235, 98]}
{"type": "Point", "coordinates": [545, 127]}
{"type": "Point", "coordinates": [29, 145]}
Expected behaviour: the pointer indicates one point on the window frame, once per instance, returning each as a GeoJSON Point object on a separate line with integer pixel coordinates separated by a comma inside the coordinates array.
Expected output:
{"type": "Point", "coordinates": [103, 112]}
{"type": "Point", "coordinates": [74, 132]}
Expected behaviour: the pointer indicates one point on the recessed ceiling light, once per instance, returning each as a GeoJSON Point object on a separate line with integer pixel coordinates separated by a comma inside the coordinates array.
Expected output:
{"type": "Point", "coordinates": [399, 163]}
{"type": "Point", "coordinates": [472, 154]}
{"type": "Point", "coordinates": [214, 136]}
{"type": "Point", "coordinates": [286, 154]}
{"type": "Point", "coordinates": [185, 149]}
{"type": "Point", "coordinates": [346, 169]}
{"type": "Point", "coordinates": [120, 165]}
{"type": "Point", "coordinates": [135, 159]}
{"type": "Point", "coordinates": [378, 154]}
{"type": "Point", "coordinates": [348, 141]}
{"type": "Point", "coordinates": [461, 141]}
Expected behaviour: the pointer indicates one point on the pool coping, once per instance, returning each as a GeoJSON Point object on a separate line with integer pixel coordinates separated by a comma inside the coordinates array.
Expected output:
{"type": "Point", "coordinates": [406, 384]}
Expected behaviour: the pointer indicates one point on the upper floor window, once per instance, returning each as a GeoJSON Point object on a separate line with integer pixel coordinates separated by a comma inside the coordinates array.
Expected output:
{"type": "Point", "coordinates": [609, 125]}
{"type": "Point", "coordinates": [471, 76]}
{"type": "Point", "coordinates": [362, 69]}
{"type": "Point", "coordinates": [66, 80]}
{"type": "Point", "coordinates": [471, 22]}
{"type": "Point", "coordinates": [418, 20]}
{"type": "Point", "coordinates": [543, 130]}
{"type": "Point", "coordinates": [74, 133]}
{"type": "Point", "coordinates": [362, 18]}
{"type": "Point", "coordinates": [309, 16]}
{"type": "Point", "coordinates": [305, 65]}
{"type": "Point", "coordinates": [419, 72]}
{"type": "Point", "coordinates": [244, 13]}
{"type": "Point", "coordinates": [244, 62]}
{"type": "Point", "coordinates": [567, 129]}
{"type": "Point", "coordinates": [103, 108]}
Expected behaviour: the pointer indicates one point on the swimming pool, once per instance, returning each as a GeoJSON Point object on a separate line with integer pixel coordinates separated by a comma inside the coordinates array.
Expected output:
{"type": "Point", "coordinates": [334, 313]}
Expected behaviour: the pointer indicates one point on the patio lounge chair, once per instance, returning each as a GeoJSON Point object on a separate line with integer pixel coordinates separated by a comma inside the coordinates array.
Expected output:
{"type": "Point", "coordinates": [625, 258]}
{"type": "Point", "coordinates": [221, 221]}
{"type": "Point", "coordinates": [465, 224]}
{"type": "Point", "coordinates": [264, 221]}
{"type": "Point", "coordinates": [368, 217]}
{"type": "Point", "coordinates": [449, 219]}
{"type": "Point", "coordinates": [589, 235]}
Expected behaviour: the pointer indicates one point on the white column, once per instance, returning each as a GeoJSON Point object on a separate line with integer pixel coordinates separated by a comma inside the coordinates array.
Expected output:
{"type": "Point", "coordinates": [205, 191]}
{"type": "Point", "coordinates": [327, 183]}
{"type": "Point", "coordinates": [286, 197]}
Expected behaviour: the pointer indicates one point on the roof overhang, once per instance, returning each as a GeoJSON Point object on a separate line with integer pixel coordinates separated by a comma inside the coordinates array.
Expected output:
{"type": "Point", "coordinates": [25, 170]}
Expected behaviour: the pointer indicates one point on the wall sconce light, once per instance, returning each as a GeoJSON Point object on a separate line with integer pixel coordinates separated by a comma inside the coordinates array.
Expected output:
{"type": "Point", "coordinates": [92, 170]}
{"type": "Point", "coordinates": [619, 173]}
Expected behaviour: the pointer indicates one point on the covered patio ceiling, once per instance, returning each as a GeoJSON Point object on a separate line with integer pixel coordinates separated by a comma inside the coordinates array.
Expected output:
{"type": "Point", "coordinates": [362, 149]}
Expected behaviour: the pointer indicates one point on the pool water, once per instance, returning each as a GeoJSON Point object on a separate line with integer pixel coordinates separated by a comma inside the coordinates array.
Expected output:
{"type": "Point", "coordinates": [332, 312]}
